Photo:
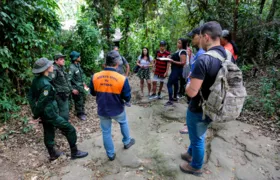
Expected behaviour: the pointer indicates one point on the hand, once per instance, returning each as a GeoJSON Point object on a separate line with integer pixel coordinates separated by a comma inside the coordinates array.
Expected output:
{"type": "Point", "coordinates": [165, 74]}
{"type": "Point", "coordinates": [75, 91]}
{"type": "Point", "coordinates": [189, 52]}
{"type": "Point", "coordinates": [128, 104]}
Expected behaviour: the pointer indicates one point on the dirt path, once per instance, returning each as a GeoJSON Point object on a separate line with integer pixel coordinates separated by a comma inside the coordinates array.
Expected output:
{"type": "Point", "coordinates": [234, 150]}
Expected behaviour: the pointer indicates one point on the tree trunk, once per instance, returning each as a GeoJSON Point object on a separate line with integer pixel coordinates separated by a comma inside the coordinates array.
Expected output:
{"type": "Point", "coordinates": [235, 20]}
{"type": "Point", "coordinates": [126, 31]}
{"type": "Point", "coordinates": [273, 8]}
{"type": "Point", "coordinates": [262, 2]}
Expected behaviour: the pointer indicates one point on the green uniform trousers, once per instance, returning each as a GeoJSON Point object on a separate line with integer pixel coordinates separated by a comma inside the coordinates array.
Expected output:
{"type": "Point", "coordinates": [63, 106]}
{"type": "Point", "coordinates": [79, 101]}
{"type": "Point", "coordinates": [67, 129]}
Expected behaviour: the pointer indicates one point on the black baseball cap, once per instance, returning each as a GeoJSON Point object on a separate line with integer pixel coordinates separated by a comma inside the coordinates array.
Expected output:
{"type": "Point", "coordinates": [163, 43]}
{"type": "Point", "coordinates": [194, 32]}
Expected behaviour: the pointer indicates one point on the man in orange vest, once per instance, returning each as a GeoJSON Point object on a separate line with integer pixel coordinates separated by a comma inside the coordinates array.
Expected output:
{"type": "Point", "coordinates": [112, 90]}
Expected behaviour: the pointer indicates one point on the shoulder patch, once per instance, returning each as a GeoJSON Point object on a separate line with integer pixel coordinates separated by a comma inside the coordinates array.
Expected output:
{"type": "Point", "coordinates": [46, 92]}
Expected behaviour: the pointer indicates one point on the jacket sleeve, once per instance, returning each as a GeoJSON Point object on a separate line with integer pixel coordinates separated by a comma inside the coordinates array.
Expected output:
{"type": "Point", "coordinates": [91, 87]}
{"type": "Point", "coordinates": [125, 94]}
{"type": "Point", "coordinates": [43, 100]}
{"type": "Point", "coordinates": [32, 103]}
{"type": "Point", "coordinates": [71, 78]}
{"type": "Point", "coordinates": [53, 75]}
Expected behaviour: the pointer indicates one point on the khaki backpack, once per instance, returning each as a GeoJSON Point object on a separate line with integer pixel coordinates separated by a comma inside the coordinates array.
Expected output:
{"type": "Point", "coordinates": [227, 96]}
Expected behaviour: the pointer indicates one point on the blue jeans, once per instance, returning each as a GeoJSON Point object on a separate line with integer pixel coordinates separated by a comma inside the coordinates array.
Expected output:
{"type": "Point", "coordinates": [173, 81]}
{"type": "Point", "coordinates": [106, 124]}
{"type": "Point", "coordinates": [197, 132]}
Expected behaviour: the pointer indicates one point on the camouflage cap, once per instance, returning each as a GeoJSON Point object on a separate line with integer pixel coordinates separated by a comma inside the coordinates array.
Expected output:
{"type": "Point", "coordinates": [41, 65]}
{"type": "Point", "coordinates": [58, 55]}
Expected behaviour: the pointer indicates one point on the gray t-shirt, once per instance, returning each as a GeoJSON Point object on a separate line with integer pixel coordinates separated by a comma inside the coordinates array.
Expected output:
{"type": "Point", "coordinates": [123, 62]}
{"type": "Point", "coordinates": [144, 62]}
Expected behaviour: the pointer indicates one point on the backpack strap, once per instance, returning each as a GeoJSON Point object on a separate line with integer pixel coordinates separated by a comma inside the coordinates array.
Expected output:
{"type": "Point", "coordinates": [216, 55]}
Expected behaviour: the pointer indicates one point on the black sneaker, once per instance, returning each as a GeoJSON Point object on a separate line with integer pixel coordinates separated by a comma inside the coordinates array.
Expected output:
{"type": "Point", "coordinates": [179, 96]}
{"type": "Point", "coordinates": [174, 99]}
{"type": "Point", "coordinates": [112, 158]}
{"type": "Point", "coordinates": [153, 96]}
{"type": "Point", "coordinates": [169, 103]}
{"type": "Point", "coordinates": [159, 96]}
{"type": "Point", "coordinates": [132, 141]}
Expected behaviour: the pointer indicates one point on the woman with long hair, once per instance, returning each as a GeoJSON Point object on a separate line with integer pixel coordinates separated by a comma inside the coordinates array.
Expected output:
{"type": "Point", "coordinates": [229, 44]}
{"type": "Point", "coordinates": [178, 60]}
{"type": "Point", "coordinates": [144, 61]}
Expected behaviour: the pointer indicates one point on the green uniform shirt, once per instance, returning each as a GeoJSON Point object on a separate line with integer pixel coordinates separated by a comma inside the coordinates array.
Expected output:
{"type": "Point", "coordinates": [60, 80]}
{"type": "Point", "coordinates": [41, 98]}
{"type": "Point", "coordinates": [76, 77]}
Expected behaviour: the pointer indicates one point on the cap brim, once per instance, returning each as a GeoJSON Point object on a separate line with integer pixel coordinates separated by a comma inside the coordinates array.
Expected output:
{"type": "Point", "coordinates": [36, 71]}
{"type": "Point", "coordinates": [190, 34]}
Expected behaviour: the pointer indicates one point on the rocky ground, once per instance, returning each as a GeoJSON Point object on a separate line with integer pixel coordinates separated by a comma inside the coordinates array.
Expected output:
{"type": "Point", "coordinates": [235, 150]}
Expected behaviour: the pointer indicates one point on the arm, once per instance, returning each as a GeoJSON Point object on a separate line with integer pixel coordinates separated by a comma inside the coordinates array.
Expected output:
{"type": "Point", "coordinates": [91, 87]}
{"type": "Point", "coordinates": [125, 94]}
{"type": "Point", "coordinates": [138, 63]}
{"type": "Point", "coordinates": [43, 100]}
{"type": "Point", "coordinates": [32, 103]}
{"type": "Point", "coordinates": [70, 79]}
{"type": "Point", "coordinates": [193, 87]}
{"type": "Point", "coordinates": [127, 69]}
{"type": "Point", "coordinates": [197, 78]}
{"type": "Point", "coordinates": [182, 62]}
{"type": "Point", "coordinates": [126, 65]}
{"type": "Point", "coordinates": [167, 69]}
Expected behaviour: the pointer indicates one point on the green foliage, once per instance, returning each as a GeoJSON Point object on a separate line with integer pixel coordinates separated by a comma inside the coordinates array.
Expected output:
{"type": "Point", "coordinates": [6, 135]}
{"type": "Point", "coordinates": [31, 29]}
{"type": "Point", "coordinates": [267, 99]}
{"type": "Point", "coordinates": [26, 29]}
{"type": "Point", "coordinates": [246, 68]}
{"type": "Point", "coordinates": [86, 39]}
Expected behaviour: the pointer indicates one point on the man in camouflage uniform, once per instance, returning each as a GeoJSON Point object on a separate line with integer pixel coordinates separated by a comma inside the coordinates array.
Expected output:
{"type": "Point", "coordinates": [63, 86]}
{"type": "Point", "coordinates": [76, 77]}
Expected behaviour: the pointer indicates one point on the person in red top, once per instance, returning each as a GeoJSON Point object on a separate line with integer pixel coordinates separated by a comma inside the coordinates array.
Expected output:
{"type": "Point", "coordinates": [229, 44]}
{"type": "Point", "coordinates": [160, 68]}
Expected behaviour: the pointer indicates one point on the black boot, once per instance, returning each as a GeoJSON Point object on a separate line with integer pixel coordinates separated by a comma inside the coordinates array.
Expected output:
{"type": "Point", "coordinates": [54, 154]}
{"type": "Point", "coordinates": [75, 153]}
